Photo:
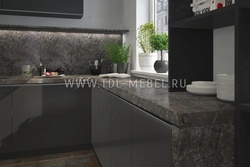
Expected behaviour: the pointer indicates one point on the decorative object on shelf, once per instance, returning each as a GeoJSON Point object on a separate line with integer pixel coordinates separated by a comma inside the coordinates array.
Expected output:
{"type": "Point", "coordinates": [147, 58]}
{"type": "Point", "coordinates": [217, 4]}
{"type": "Point", "coordinates": [205, 88]}
{"type": "Point", "coordinates": [226, 87]}
{"type": "Point", "coordinates": [159, 42]}
{"type": "Point", "coordinates": [96, 67]}
{"type": "Point", "coordinates": [118, 54]}
{"type": "Point", "coordinates": [200, 6]}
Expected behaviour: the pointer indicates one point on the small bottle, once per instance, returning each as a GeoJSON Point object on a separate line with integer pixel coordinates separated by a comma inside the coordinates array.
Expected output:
{"type": "Point", "coordinates": [41, 69]}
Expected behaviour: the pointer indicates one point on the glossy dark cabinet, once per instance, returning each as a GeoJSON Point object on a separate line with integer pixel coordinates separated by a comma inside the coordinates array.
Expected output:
{"type": "Point", "coordinates": [5, 119]}
{"type": "Point", "coordinates": [95, 120]}
{"type": "Point", "coordinates": [101, 125]}
{"type": "Point", "coordinates": [50, 116]}
{"type": "Point", "coordinates": [151, 141]}
{"type": "Point", "coordinates": [53, 8]}
{"type": "Point", "coordinates": [126, 136]}
{"type": "Point", "coordinates": [121, 132]}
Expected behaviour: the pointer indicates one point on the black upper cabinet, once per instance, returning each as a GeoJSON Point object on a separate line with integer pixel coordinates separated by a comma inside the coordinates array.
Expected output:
{"type": "Point", "coordinates": [49, 8]}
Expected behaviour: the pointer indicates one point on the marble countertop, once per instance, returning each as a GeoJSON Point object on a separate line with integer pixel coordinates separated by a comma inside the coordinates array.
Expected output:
{"type": "Point", "coordinates": [19, 80]}
{"type": "Point", "coordinates": [178, 108]}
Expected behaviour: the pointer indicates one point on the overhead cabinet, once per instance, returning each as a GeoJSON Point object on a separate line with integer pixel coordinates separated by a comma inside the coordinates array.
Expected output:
{"type": "Point", "coordinates": [50, 8]}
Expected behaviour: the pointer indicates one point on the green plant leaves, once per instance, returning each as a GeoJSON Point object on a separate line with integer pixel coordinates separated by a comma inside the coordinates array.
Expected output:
{"type": "Point", "coordinates": [159, 41]}
{"type": "Point", "coordinates": [145, 31]}
{"type": "Point", "coordinates": [117, 53]}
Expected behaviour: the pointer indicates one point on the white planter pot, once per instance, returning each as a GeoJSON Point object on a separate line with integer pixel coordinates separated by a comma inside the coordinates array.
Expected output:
{"type": "Point", "coordinates": [147, 60]}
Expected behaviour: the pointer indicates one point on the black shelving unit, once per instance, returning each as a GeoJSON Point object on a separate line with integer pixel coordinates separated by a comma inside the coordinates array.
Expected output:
{"type": "Point", "coordinates": [191, 57]}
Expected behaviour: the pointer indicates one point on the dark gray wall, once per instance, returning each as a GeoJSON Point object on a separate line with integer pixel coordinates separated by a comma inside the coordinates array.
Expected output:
{"type": "Point", "coordinates": [70, 51]}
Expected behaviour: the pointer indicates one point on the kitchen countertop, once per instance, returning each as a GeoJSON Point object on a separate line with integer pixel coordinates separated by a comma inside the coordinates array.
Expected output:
{"type": "Point", "coordinates": [178, 108]}
{"type": "Point", "coordinates": [19, 80]}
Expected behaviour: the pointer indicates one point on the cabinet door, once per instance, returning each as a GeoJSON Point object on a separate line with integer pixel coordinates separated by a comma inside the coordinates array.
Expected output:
{"type": "Point", "coordinates": [95, 116]}
{"type": "Point", "coordinates": [105, 128]}
{"type": "Point", "coordinates": [5, 119]}
{"type": "Point", "coordinates": [151, 141]}
{"type": "Point", "coordinates": [121, 133]}
{"type": "Point", "coordinates": [40, 7]}
{"type": "Point", "coordinates": [50, 116]}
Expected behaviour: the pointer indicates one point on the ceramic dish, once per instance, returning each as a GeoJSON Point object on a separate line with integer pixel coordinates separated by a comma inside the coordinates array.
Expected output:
{"type": "Point", "coordinates": [201, 91]}
{"type": "Point", "coordinates": [204, 84]}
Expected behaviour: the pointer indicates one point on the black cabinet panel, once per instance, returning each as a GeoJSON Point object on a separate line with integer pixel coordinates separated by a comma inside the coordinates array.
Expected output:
{"type": "Point", "coordinates": [151, 141]}
{"type": "Point", "coordinates": [121, 133]}
{"type": "Point", "coordinates": [5, 119]}
{"type": "Point", "coordinates": [50, 116]}
{"type": "Point", "coordinates": [63, 8]}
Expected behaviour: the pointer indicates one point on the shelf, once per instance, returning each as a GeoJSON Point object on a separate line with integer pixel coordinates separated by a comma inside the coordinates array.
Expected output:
{"type": "Point", "coordinates": [214, 19]}
{"type": "Point", "coordinates": [245, 4]}
{"type": "Point", "coordinates": [245, 107]}
{"type": "Point", "coordinates": [62, 29]}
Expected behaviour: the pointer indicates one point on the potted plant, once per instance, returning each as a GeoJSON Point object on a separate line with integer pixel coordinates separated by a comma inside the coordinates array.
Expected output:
{"type": "Point", "coordinates": [160, 42]}
{"type": "Point", "coordinates": [118, 55]}
{"type": "Point", "coordinates": [148, 57]}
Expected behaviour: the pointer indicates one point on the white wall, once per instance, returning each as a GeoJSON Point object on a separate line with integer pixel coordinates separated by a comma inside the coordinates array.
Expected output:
{"type": "Point", "coordinates": [106, 14]}
{"type": "Point", "coordinates": [224, 51]}
{"type": "Point", "coordinates": [129, 21]}
{"type": "Point", "coordinates": [136, 13]}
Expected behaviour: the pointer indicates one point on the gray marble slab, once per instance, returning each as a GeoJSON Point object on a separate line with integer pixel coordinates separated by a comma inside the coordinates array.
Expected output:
{"type": "Point", "coordinates": [206, 146]}
{"type": "Point", "coordinates": [69, 50]}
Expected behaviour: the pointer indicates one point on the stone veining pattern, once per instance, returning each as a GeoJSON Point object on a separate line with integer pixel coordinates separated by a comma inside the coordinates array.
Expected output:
{"type": "Point", "coordinates": [54, 49]}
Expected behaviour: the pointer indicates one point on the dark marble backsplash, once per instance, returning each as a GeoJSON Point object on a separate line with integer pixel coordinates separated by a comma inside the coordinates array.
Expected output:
{"type": "Point", "coordinates": [70, 51]}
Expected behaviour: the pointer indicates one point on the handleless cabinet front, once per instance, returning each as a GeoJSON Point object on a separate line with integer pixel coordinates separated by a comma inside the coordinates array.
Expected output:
{"type": "Point", "coordinates": [50, 116]}
{"type": "Point", "coordinates": [101, 125]}
{"type": "Point", "coordinates": [121, 132]}
{"type": "Point", "coordinates": [151, 141]}
{"type": "Point", "coordinates": [5, 119]}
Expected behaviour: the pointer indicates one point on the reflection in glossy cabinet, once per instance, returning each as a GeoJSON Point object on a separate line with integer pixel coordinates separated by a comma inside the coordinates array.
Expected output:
{"type": "Point", "coordinates": [95, 120]}
{"type": "Point", "coordinates": [151, 141]}
{"type": "Point", "coordinates": [5, 119]}
{"type": "Point", "coordinates": [121, 132]}
{"type": "Point", "coordinates": [101, 125]}
{"type": "Point", "coordinates": [49, 117]}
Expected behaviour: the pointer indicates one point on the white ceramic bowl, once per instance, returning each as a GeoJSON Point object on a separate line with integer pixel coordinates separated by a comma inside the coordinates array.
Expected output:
{"type": "Point", "coordinates": [201, 91]}
{"type": "Point", "coordinates": [204, 84]}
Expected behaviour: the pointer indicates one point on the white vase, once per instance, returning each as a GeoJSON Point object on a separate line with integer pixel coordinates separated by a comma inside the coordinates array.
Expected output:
{"type": "Point", "coordinates": [147, 60]}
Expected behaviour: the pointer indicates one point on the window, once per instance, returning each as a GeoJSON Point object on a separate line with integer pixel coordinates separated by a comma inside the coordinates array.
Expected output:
{"type": "Point", "coordinates": [160, 14]}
